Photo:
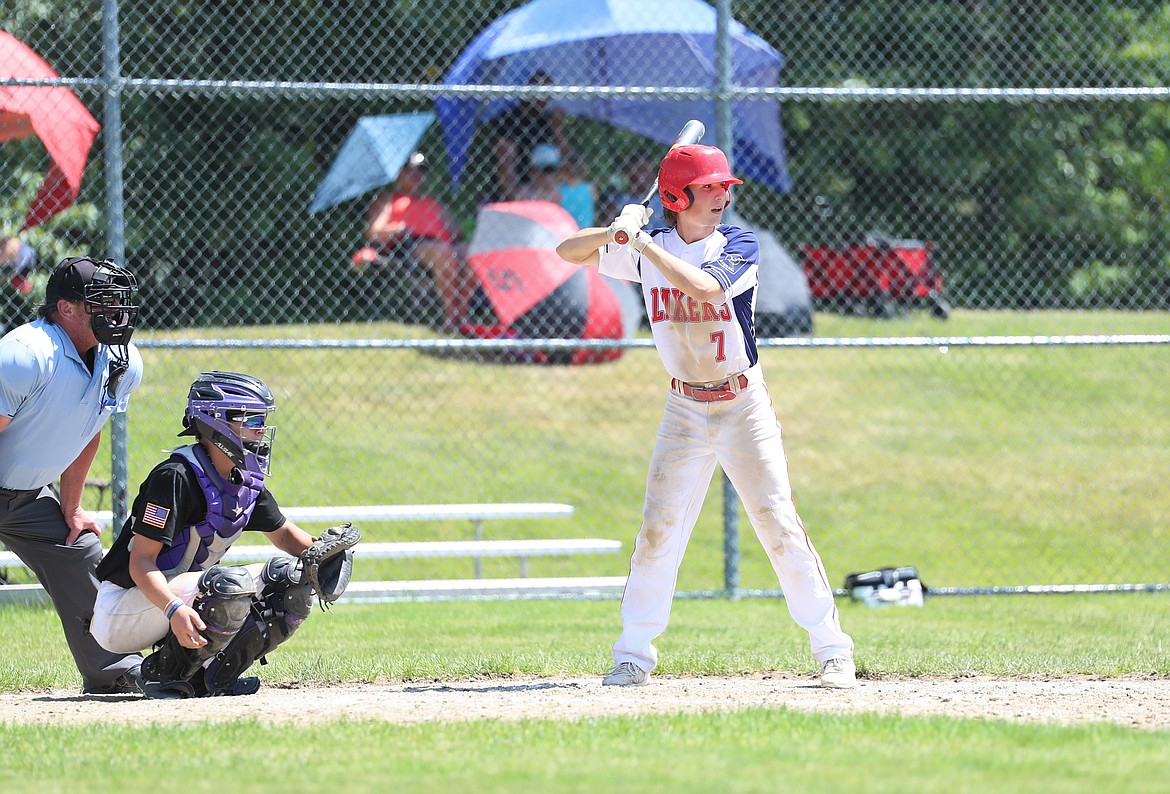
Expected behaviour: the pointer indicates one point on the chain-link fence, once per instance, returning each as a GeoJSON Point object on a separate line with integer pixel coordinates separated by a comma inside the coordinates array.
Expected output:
{"type": "Point", "coordinates": [1000, 165]}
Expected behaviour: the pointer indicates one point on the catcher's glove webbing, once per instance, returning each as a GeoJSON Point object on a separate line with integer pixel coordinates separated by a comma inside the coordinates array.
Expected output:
{"type": "Point", "coordinates": [327, 565]}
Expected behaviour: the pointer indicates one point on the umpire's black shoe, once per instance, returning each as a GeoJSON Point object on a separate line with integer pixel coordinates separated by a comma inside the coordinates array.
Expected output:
{"type": "Point", "coordinates": [125, 684]}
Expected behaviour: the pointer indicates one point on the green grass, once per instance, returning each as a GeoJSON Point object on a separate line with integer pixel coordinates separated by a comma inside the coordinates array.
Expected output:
{"type": "Point", "coordinates": [747, 751]}
{"type": "Point", "coordinates": [1104, 635]}
{"type": "Point", "coordinates": [980, 466]}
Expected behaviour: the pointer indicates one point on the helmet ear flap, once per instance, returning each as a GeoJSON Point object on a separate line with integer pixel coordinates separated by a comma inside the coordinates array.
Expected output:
{"type": "Point", "coordinates": [678, 203]}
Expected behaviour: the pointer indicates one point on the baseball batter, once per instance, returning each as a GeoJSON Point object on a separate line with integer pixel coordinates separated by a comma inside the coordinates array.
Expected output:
{"type": "Point", "coordinates": [699, 279]}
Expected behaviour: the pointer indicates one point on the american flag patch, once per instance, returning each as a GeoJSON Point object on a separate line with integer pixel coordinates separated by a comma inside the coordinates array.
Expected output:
{"type": "Point", "coordinates": [155, 516]}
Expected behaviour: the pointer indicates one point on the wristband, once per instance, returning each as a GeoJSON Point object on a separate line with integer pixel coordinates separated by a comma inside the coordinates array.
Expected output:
{"type": "Point", "coordinates": [172, 607]}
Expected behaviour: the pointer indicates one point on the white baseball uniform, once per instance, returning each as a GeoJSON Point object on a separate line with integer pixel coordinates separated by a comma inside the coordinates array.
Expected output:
{"type": "Point", "coordinates": [718, 411]}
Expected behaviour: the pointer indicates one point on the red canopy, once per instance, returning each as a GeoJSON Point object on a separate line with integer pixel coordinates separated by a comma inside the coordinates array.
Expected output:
{"type": "Point", "coordinates": [52, 113]}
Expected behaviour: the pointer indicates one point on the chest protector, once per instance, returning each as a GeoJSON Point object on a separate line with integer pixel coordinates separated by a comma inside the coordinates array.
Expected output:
{"type": "Point", "coordinates": [229, 508]}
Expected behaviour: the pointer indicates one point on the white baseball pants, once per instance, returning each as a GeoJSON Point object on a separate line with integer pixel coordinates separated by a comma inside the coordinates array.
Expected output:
{"type": "Point", "coordinates": [743, 435]}
{"type": "Point", "coordinates": [125, 618]}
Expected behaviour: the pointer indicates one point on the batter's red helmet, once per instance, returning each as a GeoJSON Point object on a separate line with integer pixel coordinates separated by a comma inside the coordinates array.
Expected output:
{"type": "Point", "coordinates": [691, 165]}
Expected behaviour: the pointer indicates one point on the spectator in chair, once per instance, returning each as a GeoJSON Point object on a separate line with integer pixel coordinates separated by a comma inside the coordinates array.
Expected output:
{"type": "Point", "coordinates": [517, 133]}
{"type": "Point", "coordinates": [640, 170]}
{"type": "Point", "coordinates": [544, 180]}
{"type": "Point", "coordinates": [578, 194]}
{"type": "Point", "coordinates": [407, 221]}
{"type": "Point", "coordinates": [17, 262]}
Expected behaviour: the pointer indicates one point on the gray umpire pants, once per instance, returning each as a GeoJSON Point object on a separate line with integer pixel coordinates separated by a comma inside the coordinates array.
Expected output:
{"type": "Point", "coordinates": [31, 525]}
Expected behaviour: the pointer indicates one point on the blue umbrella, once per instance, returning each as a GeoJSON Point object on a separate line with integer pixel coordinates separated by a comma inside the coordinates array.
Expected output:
{"type": "Point", "coordinates": [622, 43]}
{"type": "Point", "coordinates": [371, 156]}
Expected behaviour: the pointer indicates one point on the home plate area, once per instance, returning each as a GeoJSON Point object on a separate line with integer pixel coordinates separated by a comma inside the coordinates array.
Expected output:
{"type": "Point", "coordinates": [1138, 702]}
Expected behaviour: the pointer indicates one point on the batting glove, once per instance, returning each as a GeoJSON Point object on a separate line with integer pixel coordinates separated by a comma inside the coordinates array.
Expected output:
{"type": "Point", "coordinates": [624, 226]}
{"type": "Point", "coordinates": [640, 240]}
{"type": "Point", "coordinates": [637, 213]}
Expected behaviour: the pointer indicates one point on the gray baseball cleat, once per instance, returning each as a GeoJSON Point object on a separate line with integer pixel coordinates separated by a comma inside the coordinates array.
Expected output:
{"type": "Point", "coordinates": [626, 674]}
{"type": "Point", "coordinates": [838, 674]}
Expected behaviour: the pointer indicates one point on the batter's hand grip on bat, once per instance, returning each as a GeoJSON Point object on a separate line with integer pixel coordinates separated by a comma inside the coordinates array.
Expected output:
{"type": "Point", "coordinates": [621, 237]}
{"type": "Point", "coordinates": [638, 216]}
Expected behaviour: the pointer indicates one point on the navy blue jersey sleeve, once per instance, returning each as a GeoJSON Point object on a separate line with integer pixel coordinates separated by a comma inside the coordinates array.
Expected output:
{"type": "Point", "coordinates": [739, 258]}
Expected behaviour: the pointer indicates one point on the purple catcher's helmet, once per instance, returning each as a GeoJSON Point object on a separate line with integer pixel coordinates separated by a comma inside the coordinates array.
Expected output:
{"type": "Point", "coordinates": [227, 409]}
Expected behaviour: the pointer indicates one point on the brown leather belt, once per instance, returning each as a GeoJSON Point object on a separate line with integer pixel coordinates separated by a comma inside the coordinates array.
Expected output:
{"type": "Point", "coordinates": [713, 392]}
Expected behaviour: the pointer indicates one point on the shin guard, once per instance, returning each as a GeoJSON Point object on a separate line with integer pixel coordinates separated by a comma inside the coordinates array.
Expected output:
{"type": "Point", "coordinates": [224, 601]}
{"type": "Point", "coordinates": [282, 605]}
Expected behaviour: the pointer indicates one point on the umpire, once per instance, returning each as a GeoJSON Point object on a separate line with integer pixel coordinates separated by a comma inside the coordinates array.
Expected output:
{"type": "Point", "coordinates": [61, 377]}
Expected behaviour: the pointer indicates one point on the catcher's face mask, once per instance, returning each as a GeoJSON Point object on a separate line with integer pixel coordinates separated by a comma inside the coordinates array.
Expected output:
{"type": "Point", "coordinates": [111, 310]}
{"type": "Point", "coordinates": [107, 290]}
{"type": "Point", "coordinates": [255, 438]}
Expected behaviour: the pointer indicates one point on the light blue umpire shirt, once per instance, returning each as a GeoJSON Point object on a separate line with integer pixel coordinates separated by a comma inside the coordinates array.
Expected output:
{"type": "Point", "coordinates": [56, 404]}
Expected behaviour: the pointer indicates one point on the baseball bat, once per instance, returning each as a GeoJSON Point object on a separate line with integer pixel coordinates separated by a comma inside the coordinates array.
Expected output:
{"type": "Point", "coordinates": [692, 132]}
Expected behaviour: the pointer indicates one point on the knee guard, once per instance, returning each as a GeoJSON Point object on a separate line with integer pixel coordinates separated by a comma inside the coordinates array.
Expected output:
{"type": "Point", "coordinates": [225, 598]}
{"type": "Point", "coordinates": [287, 599]}
{"type": "Point", "coordinates": [224, 601]}
{"type": "Point", "coordinates": [280, 608]}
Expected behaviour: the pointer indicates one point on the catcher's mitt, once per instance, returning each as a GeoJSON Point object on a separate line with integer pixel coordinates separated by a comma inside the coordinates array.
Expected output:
{"type": "Point", "coordinates": [327, 565]}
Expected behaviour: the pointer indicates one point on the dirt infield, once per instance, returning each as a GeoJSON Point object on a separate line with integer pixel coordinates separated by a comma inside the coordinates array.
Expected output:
{"type": "Point", "coordinates": [1138, 702]}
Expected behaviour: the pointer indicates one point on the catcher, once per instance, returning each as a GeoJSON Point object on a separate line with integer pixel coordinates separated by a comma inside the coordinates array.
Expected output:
{"type": "Point", "coordinates": [161, 582]}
